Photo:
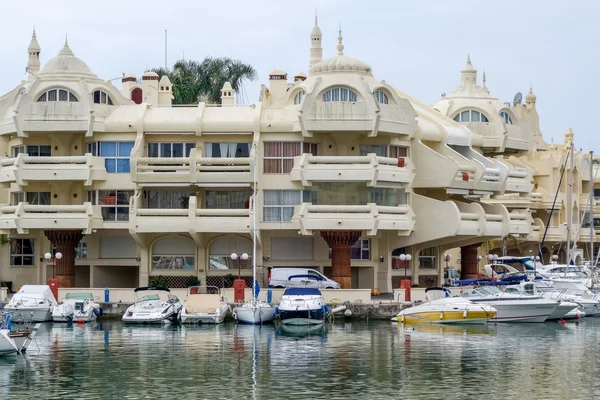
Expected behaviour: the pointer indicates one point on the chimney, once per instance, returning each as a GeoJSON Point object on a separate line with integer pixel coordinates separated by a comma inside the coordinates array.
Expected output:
{"type": "Point", "coordinates": [128, 82]}
{"type": "Point", "coordinates": [150, 87]}
{"type": "Point", "coordinates": [300, 76]}
{"type": "Point", "coordinates": [165, 91]}
{"type": "Point", "coordinates": [277, 84]}
{"type": "Point", "coordinates": [227, 95]}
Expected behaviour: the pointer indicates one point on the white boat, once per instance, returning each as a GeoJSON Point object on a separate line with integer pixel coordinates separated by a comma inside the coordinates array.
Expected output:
{"type": "Point", "coordinates": [32, 303]}
{"type": "Point", "coordinates": [15, 341]}
{"type": "Point", "coordinates": [302, 306]}
{"type": "Point", "coordinates": [77, 306]}
{"type": "Point", "coordinates": [446, 310]}
{"type": "Point", "coordinates": [151, 309]}
{"type": "Point", "coordinates": [575, 291]}
{"type": "Point", "coordinates": [566, 309]}
{"type": "Point", "coordinates": [204, 305]}
{"type": "Point", "coordinates": [513, 307]}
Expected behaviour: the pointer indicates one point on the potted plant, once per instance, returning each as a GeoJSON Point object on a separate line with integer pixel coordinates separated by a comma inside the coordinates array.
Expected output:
{"type": "Point", "coordinates": [157, 281]}
{"type": "Point", "coordinates": [228, 280]}
{"type": "Point", "coordinates": [192, 281]}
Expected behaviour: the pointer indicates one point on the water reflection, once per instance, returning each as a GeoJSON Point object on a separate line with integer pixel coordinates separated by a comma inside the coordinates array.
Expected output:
{"type": "Point", "coordinates": [344, 360]}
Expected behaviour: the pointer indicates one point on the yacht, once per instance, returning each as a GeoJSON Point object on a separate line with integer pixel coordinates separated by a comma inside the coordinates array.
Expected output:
{"type": "Point", "coordinates": [446, 310]}
{"type": "Point", "coordinates": [204, 305]}
{"type": "Point", "coordinates": [32, 303]}
{"type": "Point", "coordinates": [302, 306]}
{"type": "Point", "coordinates": [566, 309]}
{"type": "Point", "coordinates": [512, 307]}
{"type": "Point", "coordinates": [576, 291]}
{"type": "Point", "coordinates": [151, 309]}
{"type": "Point", "coordinates": [561, 271]}
{"type": "Point", "coordinates": [77, 306]}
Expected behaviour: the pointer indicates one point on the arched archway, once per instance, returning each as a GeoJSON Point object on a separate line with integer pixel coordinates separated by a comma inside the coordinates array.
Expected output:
{"type": "Point", "coordinates": [175, 253]}
{"type": "Point", "coordinates": [220, 250]}
{"type": "Point", "coordinates": [136, 95]}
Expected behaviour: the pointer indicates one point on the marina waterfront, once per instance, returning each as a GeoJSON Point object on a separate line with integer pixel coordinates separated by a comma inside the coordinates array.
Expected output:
{"type": "Point", "coordinates": [369, 359]}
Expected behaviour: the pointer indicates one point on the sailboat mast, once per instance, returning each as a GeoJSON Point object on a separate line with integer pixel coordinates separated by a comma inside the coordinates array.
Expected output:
{"type": "Point", "coordinates": [570, 206]}
{"type": "Point", "coordinates": [254, 224]}
{"type": "Point", "coordinates": [591, 211]}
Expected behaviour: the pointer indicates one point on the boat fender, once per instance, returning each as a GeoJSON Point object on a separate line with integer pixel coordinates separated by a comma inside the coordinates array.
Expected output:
{"type": "Point", "coordinates": [402, 318]}
{"type": "Point", "coordinates": [325, 309]}
{"type": "Point", "coordinates": [276, 310]}
{"type": "Point", "coordinates": [96, 312]}
{"type": "Point", "coordinates": [348, 312]}
{"type": "Point", "coordinates": [441, 315]}
{"type": "Point", "coordinates": [8, 321]}
{"type": "Point", "coordinates": [465, 314]}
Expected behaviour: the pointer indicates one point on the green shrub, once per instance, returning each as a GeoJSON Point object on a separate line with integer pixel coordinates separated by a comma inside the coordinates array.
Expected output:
{"type": "Point", "coordinates": [157, 281]}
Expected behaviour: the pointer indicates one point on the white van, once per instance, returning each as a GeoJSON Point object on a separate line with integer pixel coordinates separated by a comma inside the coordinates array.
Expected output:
{"type": "Point", "coordinates": [300, 277]}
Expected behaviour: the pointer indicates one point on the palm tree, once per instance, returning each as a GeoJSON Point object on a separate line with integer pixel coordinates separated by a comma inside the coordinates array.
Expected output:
{"type": "Point", "coordinates": [195, 81]}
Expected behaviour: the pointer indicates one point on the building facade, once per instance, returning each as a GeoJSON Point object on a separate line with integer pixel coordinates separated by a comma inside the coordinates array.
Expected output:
{"type": "Point", "coordinates": [335, 170]}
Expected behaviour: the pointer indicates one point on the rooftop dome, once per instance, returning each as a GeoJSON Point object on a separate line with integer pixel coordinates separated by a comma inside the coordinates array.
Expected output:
{"type": "Point", "coordinates": [150, 73]}
{"type": "Point", "coordinates": [66, 62]}
{"type": "Point", "coordinates": [340, 63]}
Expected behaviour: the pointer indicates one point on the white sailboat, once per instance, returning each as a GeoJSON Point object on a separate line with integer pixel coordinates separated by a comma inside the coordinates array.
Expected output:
{"type": "Point", "coordinates": [254, 311]}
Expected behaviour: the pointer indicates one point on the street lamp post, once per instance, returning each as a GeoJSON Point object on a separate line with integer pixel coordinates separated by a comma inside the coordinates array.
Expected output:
{"type": "Point", "coordinates": [492, 258]}
{"type": "Point", "coordinates": [49, 257]}
{"type": "Point", "coordinates": [244, 257]}
{"type": "Point", "coordinates": [407, 258]}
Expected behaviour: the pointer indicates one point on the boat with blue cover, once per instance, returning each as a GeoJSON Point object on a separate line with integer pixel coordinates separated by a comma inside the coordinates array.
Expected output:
{"type": "Point", "coordinates": [302, 306]}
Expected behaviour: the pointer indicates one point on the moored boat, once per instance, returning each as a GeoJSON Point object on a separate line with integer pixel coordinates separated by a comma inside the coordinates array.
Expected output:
{"type": "Point", "coordinates": [77, 306]}
{"type": "Point", "coordinates": [32, 303]}
{"type": "Point", "coordinates": [204, 305]}
{"type": "Point", "coordinates": [302, 306]}
{"type": "Point", "coordinates": [151, 309]}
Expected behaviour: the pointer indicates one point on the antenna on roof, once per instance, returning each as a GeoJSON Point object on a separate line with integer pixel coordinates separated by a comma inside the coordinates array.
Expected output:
{"type": "Point", "coordinates": [166, 49]}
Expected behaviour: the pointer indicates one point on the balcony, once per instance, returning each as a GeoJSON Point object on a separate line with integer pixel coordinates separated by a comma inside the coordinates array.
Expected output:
{"type": "Point", "coordinates": [521, 223]}
{"type": "Point", "coordinates": [55, 116]}
{"type": "Point", "coordinates": [373, 170]}
{"type": "Point", "coordinates": [191, 220]}
{"type": "Point", "coordinates": [369, 218]}
{"type": "Point", "coordinates": [192, 170]}
{"type": "Point", "coordinates": [24, 169]}
{"type": "Point", "coordinates": [24, 217]}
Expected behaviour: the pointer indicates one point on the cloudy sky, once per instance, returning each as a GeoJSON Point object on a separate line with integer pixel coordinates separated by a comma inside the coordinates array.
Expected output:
{"type": "Point", "coordinates": [415, 45]}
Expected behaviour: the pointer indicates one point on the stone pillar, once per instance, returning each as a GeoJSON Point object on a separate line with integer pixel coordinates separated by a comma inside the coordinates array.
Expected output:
{"type": "Point", "coordinates": [469, 266]}
{"type": "Point", "coordinates": [340, 243]}
{"type": "Point", "coordinates": [65, 242]}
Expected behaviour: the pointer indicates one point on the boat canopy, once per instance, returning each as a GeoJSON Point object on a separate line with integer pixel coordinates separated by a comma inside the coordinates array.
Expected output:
{"type": "Point", "coordinates": [34, 292]}
{"type": "Point", "coordinates": [79, 296]}
{"type": "Point", "coordinates": [151, 288]}
{"type": "Point", "coordinates": [302, 292]}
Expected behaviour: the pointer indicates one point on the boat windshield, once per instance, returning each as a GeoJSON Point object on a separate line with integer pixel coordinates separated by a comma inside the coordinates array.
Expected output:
{"type": "Point", "coordinates": [482, 291]}
{"type": "Point", "coordinates": [79, 296]}
{"type": "Point", "coordinates": [148, 297]}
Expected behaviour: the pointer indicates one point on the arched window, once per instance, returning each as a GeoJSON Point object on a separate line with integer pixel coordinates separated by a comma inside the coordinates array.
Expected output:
{"type": "Point", "coordinates": [505, 117]}
{"type": "Point", "coordinates": [299, 96]}
{"type": "Point", "coordinates": [57, 95]}
{"type": "Point", "coordinates": [381, 97]}
{"type": "Point", "coordinates": [470, 116]}
{"type": "Point", "coordinates": [101, 97]}
{"type": "Point", "coordinates": [136, 95]}
{"type": "Point", "coordinates": [174, 253]}
{"type": "Point", "coordinates": [339, 94]}
{"type": "Point", "coordinates": [221, 249]}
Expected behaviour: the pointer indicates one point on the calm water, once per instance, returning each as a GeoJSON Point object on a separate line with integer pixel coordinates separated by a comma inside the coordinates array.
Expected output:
{"type": "Point", "coordinates": [346, 360]}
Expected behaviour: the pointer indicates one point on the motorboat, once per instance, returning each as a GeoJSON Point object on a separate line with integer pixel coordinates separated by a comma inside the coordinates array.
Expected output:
{"type": "Point", "coordinates": [302, 306]}
{"type": "Point", "coordinates": [204, 305]}
{"type": "Point", "coordinates": [150, 308]}
{"type": "Point", "coordinates": [561, 271]}
{"type": "Point", "coordinates": [32, 303]}
{"type": "Point", "coordinates": [575, 291]}
{"type": "Point", "coordinates": [446, 310]}
{"type": "Point", "coordinates": [77, 306]}
{"type": "Point", "coordinates": [566, 308]}
{"type": "Point", "coordinates": [15, 341]}
{"type": "Point", "coordinates": [512, 307]}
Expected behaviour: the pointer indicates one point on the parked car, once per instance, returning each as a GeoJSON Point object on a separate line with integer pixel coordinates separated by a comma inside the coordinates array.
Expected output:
{"type": "Point", "coordinates": [300, 277]}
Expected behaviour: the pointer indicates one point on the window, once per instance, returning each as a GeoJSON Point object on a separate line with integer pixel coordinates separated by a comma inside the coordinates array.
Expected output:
{"type": "Point", "coordinates": [169, 198]}
{"type": "Point", "coordinates": [309, 148]}
{"type": "Point", "coordinates": [114, 204]}
{"type": "Point", "coordinates": [278, 205]}
{"type": "Point", "coordinates": [339, 94]}
{"type": "Point", "coordinates": [35, 150]}
{"type": "Point", "coordinates": [470, 116]}
{"type": "Point", "coordinates": [597, 194]}
{"type": "Point", "coordinates": [299, 96]}
{"type": "Point", "coordinates": [80, 249]}
{"type": "Point", "coordinates": [383, 150]}
{"type": "Point", "coordinates": [57, 95]}
{"type": "Point", "coordinates": [381, 97]}
{"type": "Point", "coordinates": [116, 155]}
{"type": "Point", "coordinates": [37, 198]}
{"type": "Point", "coordinates": [227, 150]}
{"type": "Point", "coordinates": [361, 250]}
{"type": "Point", "coordinates": [170, 150]}
{"type": "Point", "coordinates": [505, 117]}
{"type": "Point", "coordinates": [279, 156]}
{"type": "Point", "coordinates": [101, 97]}
{"type": "Point", "coordinates": [427, 258]}
{"type": "Point", "coordinates": [229, 200]}
{"type": "Point", "coordinates": [22, 252]}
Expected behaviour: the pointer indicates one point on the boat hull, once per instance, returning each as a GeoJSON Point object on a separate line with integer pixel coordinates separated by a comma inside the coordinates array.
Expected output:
{"type": "Point", "coordinates": [562, 311]}
{"type": "Point", "coordinates": [302, 317]}
{"type": "Point", "coordinates": [507, 311]}
{"type": "Point", "coordinates": [255, 313]}
{"type": "Point", "coordinates": [150, 318]}
{"type": "Point", "coordinates": [30, 314]}
{"type": "Point", "coordinates": [210, 319]}
{"type": "Point", "coordinates": [446, 317]}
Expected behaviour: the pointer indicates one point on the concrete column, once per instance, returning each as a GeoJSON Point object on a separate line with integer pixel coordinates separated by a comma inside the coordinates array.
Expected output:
{"type": "Point", "coordinates": [65, 242]}
{"type": "Point", "coordinates": [144, 266]}
{"type": "Point", "coordinates": [469, 266]}
{"type": "Point", "coordinates": [340, 243]}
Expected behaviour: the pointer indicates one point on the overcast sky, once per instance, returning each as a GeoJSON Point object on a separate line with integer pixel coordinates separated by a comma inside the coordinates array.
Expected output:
{"type": "Point", "coordinates": [417, 46]}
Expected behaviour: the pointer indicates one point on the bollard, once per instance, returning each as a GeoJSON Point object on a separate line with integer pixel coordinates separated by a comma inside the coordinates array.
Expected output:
{"type": "Point", "coordinates": [106, 294]}
{"type": "Point", "coordinates": [238, 290]}
{"type": "Point", "coordinates": [405, 284]}
{"type": "Point", "coordinates": [269, 296]}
